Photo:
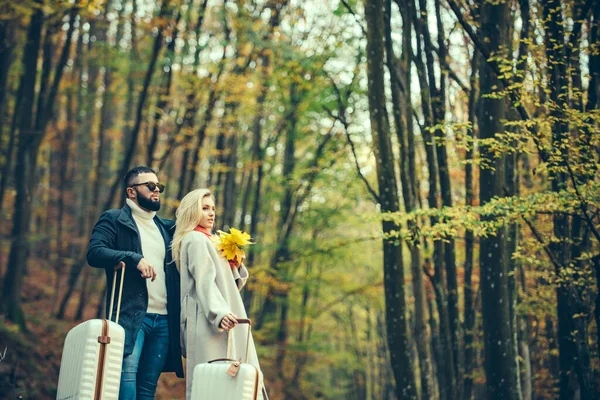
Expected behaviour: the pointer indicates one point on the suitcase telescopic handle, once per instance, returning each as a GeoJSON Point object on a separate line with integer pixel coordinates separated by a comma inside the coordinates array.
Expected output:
{"type": "Point", "coordinates": [119, 266]}
{"type": "Point", "coordinates": [240, 321]}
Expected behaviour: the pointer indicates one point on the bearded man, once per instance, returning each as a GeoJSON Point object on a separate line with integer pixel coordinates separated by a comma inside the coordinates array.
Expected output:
{"type": "Point", "coordinates": [150, 305]}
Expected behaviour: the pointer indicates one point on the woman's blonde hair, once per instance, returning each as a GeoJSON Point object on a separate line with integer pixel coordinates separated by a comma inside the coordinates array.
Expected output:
{"type": "Point", "coordinates": [187, 216]}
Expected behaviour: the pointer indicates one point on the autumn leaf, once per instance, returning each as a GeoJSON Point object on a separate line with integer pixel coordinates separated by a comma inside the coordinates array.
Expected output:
{"type": "Point", "coordinates": [232, 244]}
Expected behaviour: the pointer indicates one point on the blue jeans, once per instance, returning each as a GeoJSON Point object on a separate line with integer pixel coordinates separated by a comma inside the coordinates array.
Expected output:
{"type": "Point", "coordinates": [142, 368]}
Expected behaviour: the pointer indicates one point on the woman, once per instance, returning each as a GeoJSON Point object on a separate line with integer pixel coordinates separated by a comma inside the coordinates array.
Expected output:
{"type": "Point", "coordinates": [210, 285]}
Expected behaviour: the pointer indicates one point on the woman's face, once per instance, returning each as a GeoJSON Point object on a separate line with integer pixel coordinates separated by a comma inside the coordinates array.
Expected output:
{"type": "Point", "coordinates": [207, 215]}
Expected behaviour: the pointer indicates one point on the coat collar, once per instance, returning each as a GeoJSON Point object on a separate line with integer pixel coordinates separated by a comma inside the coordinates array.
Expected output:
{"type": "Point", "coordinates": [126, 218]}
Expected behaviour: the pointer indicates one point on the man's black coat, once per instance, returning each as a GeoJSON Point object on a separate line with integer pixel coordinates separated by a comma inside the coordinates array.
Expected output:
{"type": "Point", "coordinates": [115, 238]}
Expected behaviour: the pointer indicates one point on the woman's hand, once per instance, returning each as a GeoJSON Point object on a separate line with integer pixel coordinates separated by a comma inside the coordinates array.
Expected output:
{"type": "Point", "coordinates": [235, 263]}
{"type": "Point", "coordinates": [228, 322]}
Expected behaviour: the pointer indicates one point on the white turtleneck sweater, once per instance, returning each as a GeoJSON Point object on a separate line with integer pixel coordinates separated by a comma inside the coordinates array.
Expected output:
{"type": "Point", "coordinates": [154, 251]}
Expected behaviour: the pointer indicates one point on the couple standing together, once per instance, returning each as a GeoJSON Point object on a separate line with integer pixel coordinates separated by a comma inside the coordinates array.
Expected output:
{"type": "Point", "coordinates": [180, 295]}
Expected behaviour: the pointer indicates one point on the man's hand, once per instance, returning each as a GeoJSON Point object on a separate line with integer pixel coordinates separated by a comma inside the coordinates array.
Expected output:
{"type": "Point", "coordinates": [146, 269]}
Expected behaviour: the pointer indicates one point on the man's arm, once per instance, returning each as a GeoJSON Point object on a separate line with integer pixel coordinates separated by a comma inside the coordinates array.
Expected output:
{"type": "Point", "coordinates": [102, 250]}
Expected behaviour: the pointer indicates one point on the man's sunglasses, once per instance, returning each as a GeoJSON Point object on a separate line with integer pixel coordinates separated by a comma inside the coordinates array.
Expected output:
{"type": "Point", "coordinates": [151, 186]}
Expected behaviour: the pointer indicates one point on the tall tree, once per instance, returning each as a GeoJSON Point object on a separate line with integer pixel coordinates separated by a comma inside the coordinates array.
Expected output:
{"type": "Point", "coordinates": [574, 354]}
{"type": "Point", "coordinates": [31, 133]}
{"type": "Point", "coordinates": [403, 122]}
{"type": "Point", "coordinates": [430, 99]}
{"type": "Point", "coordinates": [8, 41]}
{"type": "Point", "coordinates": [470, 312]}
{"type": "Point", "coordinates": [395, 301]}
{"type": "Point", "coordinates": [501, 365]}
{"type": "Point", "coordinates": [11, 296]}
{"type": "Point", "coordinates": [165, 8]}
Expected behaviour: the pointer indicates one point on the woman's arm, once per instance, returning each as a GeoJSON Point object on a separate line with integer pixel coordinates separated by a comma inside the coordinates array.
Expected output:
{"type": "Point", "coordinates": [204, 271]}
{"type": "Point", "coordinates": [241, 276]}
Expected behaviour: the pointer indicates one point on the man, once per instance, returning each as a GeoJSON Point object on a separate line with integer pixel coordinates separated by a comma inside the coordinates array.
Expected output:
{"type": "Point", "coordinates": [150, 304]}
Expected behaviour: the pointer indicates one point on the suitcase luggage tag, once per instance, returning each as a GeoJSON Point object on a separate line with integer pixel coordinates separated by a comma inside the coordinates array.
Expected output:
{"type": "Point", "coordinates": [234, 368]}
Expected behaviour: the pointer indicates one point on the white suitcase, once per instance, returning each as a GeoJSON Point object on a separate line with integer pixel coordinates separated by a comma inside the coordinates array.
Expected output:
{"type": "Point", "coordinates": [90, 367]}
{"type": "Point", "coordinates": [227, 379]}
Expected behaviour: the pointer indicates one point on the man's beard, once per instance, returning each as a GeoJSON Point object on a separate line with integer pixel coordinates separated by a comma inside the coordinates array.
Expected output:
{"type": "Point", "coordinates": [149, 204]}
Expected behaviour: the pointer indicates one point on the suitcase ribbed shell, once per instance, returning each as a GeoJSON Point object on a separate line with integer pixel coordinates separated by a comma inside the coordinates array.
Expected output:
{"type": "Point", "coordinates": [79, 363]}
{"type": "Point", "coordinates": [210, 382]}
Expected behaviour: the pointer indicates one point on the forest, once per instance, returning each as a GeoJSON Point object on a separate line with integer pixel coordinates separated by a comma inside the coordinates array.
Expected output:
{"type": "Point", "coordinates": [419, 178]}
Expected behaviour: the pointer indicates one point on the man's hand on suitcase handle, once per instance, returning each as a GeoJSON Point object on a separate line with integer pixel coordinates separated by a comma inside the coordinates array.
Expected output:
{"type": "Point", "coordinates": [228, 322]}
{"type": "Point", "coordinates": [146, 269]}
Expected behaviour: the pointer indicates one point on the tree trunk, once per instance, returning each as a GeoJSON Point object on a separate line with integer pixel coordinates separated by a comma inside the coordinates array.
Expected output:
{"type": "Point", "coordinates": [524, 348]}
{"type": "Point", "coordinates": [436, 345]}
{"type": "Point", "coordinates": [522, 326]}
{"type": "Point", "coordinates": [257, 150]}
{"type": "Point", "coordinates": [7, 46]}
{"type": "Point", "coordinates": [574, 356]}
{"type": "Point", "coordinates": [191, 107]}
{"type": "Point", "coordinates": [286, 212]}
{"type": "Point", "coordinates": [469, 324]}
{"type": "Point", "coordinates": [282, 254]}
{"type": "Point", "coordinates": [593, 103]}
{"type": "Point", "coordinates": [278, 296]}
{"type": "Point", "coordinates": [596, 264]}
{"type": "Point", "coordinates": [402, 108]}
{"type": "Point", "coordinates": [396, 322]}
{"type": "Point", "coordinates": [257, 159]}
{"type": "Point", "coordinates": [102, 172]}
{"type": "Point", "coordinates": [229, 190]}
{"type": "Point", "coordinates": [304, 327]}
{"type": "Point", "coordinates": [188, 181]}
{"type": "Point", "coordinates": [501, 365]}
{"type": "Point", "coordinates": [164, 93]}
{"type": "Point", "coordinates": [131, 147]}
{"type": "Point", "coordinates": [439, 112]}
{"type": "Point", "coordinates": [84, 294]}
{"type": "Point", "coordinates": [63, 185]}
{"type": "Point", "coordinates": [594, 63]}
{"type": "Point", "coordinates": [450, 389]}
{"type": "Point", "coordinates": [24, 176]}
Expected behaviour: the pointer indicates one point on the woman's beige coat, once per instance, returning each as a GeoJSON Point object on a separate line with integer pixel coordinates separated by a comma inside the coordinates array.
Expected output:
{"type": "Point", "coordinates": [209, 291]}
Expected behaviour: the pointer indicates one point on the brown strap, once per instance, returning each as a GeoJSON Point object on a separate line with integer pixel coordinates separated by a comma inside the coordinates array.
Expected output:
{"type": "Point", "coordinates": [103, 340]}
{"type": "Point", "coordinates": [256, 384]}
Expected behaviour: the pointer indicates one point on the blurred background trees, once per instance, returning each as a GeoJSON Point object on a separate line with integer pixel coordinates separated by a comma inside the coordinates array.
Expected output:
{"type": "Point", "coordinates": [420, 178]}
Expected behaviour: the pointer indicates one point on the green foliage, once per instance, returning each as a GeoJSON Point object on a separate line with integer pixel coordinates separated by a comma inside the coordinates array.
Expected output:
{"type": "Point", "coordinates": [485, 220]}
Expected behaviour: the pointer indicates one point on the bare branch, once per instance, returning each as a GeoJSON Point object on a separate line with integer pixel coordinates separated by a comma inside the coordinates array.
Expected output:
{"type": "Point", "coordinates": [349, 293]}
{"type": "Point", "coordinates": [539, 238]}
{"type": "Point", "coordinates": [582, 203]}
{"type": "Point", "coordinates": [360, 174]}
{"type": "Point", "coordinates": [353, 149]}
{"type": "Point", "coordinates": [451, 72]}
{"type": "Point", "coordinates": [351, 11]}
{"type": "Point", "coordinates": [505, 82]}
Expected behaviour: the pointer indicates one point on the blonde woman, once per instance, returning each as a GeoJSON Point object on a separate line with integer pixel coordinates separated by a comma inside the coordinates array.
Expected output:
{"type": "Point", "coordinates": [210, 285]}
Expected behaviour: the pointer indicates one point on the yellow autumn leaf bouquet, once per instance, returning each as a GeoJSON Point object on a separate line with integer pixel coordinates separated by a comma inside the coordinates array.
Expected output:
{"type": "Point", "coordinates": [232, 245]}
